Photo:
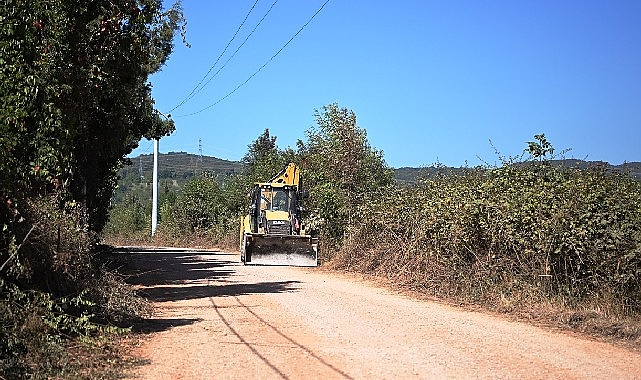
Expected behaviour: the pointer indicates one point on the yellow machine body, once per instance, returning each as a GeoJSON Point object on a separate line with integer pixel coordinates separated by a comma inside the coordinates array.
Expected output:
{"type": "Point", "coordinates": [272, 233]}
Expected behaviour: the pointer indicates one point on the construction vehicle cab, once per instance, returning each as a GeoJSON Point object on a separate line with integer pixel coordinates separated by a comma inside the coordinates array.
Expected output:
{"type": "Point", "coordinates": [272, 233]}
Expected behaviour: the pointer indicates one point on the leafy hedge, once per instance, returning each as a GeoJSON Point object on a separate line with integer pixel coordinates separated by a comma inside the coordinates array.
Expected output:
{"type": "Point", "coordinates": [519, 233]}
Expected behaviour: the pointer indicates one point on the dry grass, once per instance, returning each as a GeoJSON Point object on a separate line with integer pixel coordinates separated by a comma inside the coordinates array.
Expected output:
{"type": "Point", "coordinates": [108, 358]}
{"type": "Point", "coordinates": [527, 305]}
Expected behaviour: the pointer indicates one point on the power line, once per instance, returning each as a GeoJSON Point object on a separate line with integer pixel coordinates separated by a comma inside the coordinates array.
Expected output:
{"type": "Point", "coordinates": [147, 149]}
{"type": "Point", "coordinates": [193, 91]}
{"type": "Point", "coordinates": [260, 68]}
{"type": "Point", "coordinates": [237, 49]}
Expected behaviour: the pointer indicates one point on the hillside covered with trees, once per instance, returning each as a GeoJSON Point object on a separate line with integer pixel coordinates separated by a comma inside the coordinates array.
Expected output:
{"type": "Point", "coordinates": [175, 169]}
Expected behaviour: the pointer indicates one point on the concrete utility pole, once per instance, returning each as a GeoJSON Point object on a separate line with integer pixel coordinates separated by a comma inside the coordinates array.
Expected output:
{"type": "Point", "coordinates": [200, 160]}
{"type": "Point", "coordinates": [154, 197]}
{"type": "Point", "coordinates": [141, 172]}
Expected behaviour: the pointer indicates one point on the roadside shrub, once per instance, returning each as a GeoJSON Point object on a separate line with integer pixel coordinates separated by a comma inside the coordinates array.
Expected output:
{"type": "Point", "coordinates": [26, 346]}
{"type": "Point", "coordinates": [201, 213]}
{"type": "Point", "coordinates": [55, 255]}
{"type": "Point", "coordinates": [129, 220]}
{"type": "Point", "coordinates": [53, 288]}
{"type": "Point", "coordinates": [528, 232]}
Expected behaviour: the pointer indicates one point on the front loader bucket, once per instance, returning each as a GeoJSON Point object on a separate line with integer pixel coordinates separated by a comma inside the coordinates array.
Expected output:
{"type": "Point", "coordinates": [291, 250]}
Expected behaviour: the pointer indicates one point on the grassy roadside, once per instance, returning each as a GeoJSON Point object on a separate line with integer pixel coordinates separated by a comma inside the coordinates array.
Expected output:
{"type": "Point", "coordinates": [111, 358]}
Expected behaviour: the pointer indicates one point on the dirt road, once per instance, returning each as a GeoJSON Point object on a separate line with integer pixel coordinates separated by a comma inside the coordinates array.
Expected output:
{"type": "Point", "coordinates": [216, 318]}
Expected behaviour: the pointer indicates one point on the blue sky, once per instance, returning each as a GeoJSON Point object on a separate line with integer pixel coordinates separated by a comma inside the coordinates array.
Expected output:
{"type": "Point", "coordinates": [430, 81]}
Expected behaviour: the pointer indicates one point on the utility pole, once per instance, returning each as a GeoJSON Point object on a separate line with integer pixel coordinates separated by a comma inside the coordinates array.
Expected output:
{"type": "Point", "coordinates": [140, 171]}
{"type": "Point", "coordinates": [200, 151]}
{"type": "Point", "coordinates": [154, 192]}
{"type": "Point", "coordinates": [154, 197]}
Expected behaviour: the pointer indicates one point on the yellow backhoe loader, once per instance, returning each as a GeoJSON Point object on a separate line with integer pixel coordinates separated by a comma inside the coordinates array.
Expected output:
{"type": "Point", "coordinates": [273, 233]}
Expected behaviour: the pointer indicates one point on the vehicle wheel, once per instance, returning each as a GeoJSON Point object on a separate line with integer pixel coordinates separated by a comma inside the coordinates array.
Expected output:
{"type": "Point", "coordinates": [243, 250]}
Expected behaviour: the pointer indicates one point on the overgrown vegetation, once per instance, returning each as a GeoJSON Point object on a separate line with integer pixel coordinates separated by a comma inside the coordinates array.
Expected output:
{"type": "Point", "coordinates": [339, 169]}
{"type": "Point", "coordinates": [75, 100]}
{"type": "Point", "coordinates": [520, 235]}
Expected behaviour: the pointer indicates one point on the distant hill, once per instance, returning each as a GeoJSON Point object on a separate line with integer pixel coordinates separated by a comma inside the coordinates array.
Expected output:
{"type": "Point", "coordinates": [175, 168]}
{"type": "Point", "coordinates": [179, 165]}
{"type": "Point", "coordinates": [634, 168]}
{"type": "Point", "coordinates": [408, 175]}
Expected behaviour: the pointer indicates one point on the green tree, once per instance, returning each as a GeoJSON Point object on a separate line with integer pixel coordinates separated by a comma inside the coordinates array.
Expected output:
{"type": "Point", "coordinates": [201, 208]}
{"type": "Point", "coordinates": [340, 168]}
{"type": "Point", "coordinates": [201, 203]}
{"type": "Point", "coordinates": [234, 190]}
{"type": "Point", "coordinates": [541, 148]}
{"type": "Point", "coordinates": [74, 101]}
{"type": "Point", "coordinates": [262, 161]}
{"type": "Point", "coordinates": [75, 93]}
{"type": "Point", "coordinates": [263, 158]}
{"type": "Point", "coordinates": [130, 218]}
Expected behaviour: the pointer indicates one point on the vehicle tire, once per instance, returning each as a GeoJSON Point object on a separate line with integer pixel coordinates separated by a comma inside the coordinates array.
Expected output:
{"type": "Point", "coordinates": [243, 250]}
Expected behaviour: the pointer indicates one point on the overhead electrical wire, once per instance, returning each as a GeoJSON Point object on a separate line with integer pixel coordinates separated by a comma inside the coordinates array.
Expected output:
{"type": "Point", "coordinates": [260, 68]}
{"type": "Point", "coordinates": [237, 49]}
{"type": "Point", "coordinates": [194, 90]}
{"type": "Point", "coordinates": [148, 148]}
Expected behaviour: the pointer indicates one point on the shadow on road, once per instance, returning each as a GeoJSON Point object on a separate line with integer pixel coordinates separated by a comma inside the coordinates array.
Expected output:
{"type": "Point", "coordinates": [177, 293]}
{"type": "Point", "coordinates": [183, 274]}
{"type": "Point", "coordinates": [165, 275]}
{"type": "Point", "coordinates": [152, 325]}
{"type": "Point", "coordinates": [169, 268]}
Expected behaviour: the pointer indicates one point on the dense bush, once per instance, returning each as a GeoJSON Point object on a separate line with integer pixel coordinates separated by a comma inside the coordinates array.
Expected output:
{"type": "Point", "coordinates": [201, 208]}
{"type": "Point", "coordinates": [522, 232]}
{"type": "Point", "coordinates": [53, 287]}
{"type": "Point", "coordinates": [130, 220]}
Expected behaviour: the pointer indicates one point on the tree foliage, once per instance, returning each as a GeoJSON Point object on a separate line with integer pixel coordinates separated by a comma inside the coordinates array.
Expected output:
{"type": "Point", "coordinates": [340, 167]}
{"type": "Point", "coordinates": [75, 93]}
{"type": "Point", "coordinates": [263, 158]}
{"type": "Point", "coordinates": [541, 148]}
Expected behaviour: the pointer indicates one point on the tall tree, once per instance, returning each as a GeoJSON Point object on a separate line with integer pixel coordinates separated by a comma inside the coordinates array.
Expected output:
{"type": "Point", "coordinates": [263, 158]}
{"type": "Point", "coordinates": [75, 93]}
{"type": "Point", "coordinates": [340, 167]}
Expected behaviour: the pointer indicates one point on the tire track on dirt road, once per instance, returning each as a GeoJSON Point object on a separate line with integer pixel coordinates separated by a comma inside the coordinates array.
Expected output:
{"type": "Point", "coordinates": [251, 342]}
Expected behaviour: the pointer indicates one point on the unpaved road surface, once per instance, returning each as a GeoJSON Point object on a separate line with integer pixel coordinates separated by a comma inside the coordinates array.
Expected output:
{"type": "Point", "coordinates": [218, 319]}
